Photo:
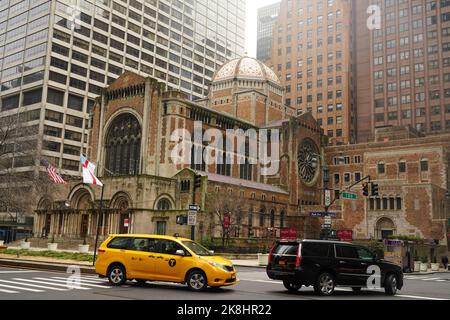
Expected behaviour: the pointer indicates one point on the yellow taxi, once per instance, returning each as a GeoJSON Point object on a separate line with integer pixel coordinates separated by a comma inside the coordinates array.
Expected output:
{"type": "Point", "coordinates": [162, 258]}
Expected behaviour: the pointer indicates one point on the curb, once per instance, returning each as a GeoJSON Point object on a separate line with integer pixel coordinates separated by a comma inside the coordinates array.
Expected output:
{"type": "Point", "coordinates": [247, 266]}
{"type": "Point", "coordinates": [44, 265]}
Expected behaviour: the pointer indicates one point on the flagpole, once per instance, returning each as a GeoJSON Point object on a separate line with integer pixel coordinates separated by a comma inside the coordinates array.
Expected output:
{"type": "Point", "coordinates": [100, 218]}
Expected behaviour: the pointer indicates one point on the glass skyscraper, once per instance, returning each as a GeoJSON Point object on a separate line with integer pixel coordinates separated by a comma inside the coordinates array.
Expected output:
{"type": "Point", "coordinates": [56, 56]}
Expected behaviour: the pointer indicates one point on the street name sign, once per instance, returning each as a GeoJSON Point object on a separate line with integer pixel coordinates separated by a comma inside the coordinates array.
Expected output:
{"type": "Point", "coordinates": [194, 207]}
{"type": "Point", "coordinates": [349, 195]}
{"type": "Point", "coordinates": [322, 214]}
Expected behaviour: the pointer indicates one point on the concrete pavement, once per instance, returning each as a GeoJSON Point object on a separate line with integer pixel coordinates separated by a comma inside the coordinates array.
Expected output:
{"type": "Point", "coordinates": [25, 284]}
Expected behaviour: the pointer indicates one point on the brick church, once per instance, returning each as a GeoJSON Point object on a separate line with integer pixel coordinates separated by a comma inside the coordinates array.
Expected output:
{"type": "Point", "coordinates": [135, 128]}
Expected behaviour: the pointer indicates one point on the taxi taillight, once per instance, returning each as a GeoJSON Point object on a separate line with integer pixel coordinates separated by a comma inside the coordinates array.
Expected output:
{"type": "Point", "coordinates": [101, 251]}
{"type": "Point", "coordinates": [298, 260]}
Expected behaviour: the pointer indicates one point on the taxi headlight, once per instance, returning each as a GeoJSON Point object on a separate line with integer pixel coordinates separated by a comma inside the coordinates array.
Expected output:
{"type": "Point", "coordinates": [218, 265]}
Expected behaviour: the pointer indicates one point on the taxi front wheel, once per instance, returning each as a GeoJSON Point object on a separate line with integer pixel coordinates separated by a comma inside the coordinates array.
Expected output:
{"type": "Point", "coordinates": [117, 275]}
{"type": "Point", "coordinates": [196, 280]}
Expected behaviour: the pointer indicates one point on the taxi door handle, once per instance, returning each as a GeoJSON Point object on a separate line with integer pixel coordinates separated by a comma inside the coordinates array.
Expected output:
{"type": "Point", "coordinates": [160, 258]}
{"type": "Point", "coordinates": [152, 257]}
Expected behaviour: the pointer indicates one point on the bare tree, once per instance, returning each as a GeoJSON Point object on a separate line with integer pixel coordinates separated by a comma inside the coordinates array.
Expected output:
{"type": "Point", "coordinates": [221, 204]}
{"type": "Point", "coordinates": [19, 147]}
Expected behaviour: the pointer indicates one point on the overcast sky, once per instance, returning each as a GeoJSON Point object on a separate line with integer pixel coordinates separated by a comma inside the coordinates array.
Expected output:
{"type": "Point", "coordinates": [252, 14]}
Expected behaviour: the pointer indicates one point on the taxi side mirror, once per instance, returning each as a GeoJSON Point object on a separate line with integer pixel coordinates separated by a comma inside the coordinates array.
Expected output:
{"type": "Point", "coordinates": [180, 253]}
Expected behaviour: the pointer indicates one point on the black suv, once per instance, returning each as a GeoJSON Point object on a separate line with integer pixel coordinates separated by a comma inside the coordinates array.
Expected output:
{"type": "Point", "coordinates": [327, 264]}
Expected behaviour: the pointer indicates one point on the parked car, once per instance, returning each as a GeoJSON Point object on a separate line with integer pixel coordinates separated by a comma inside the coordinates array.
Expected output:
{"type": "Point", "coordinates": [162, 258]}
{"type": "Point", "coordinates": [327, 264]}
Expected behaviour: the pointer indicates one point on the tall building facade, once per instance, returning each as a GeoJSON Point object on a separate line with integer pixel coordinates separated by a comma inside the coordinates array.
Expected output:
{"type": "Point", "coordinates": [405, 67]}
{"type": "Point", "coordinates": [312, 54]}
{"type": "Point", "coordinates": [57, 56]}
{"type": "Point", "coordinates": [267, 17]}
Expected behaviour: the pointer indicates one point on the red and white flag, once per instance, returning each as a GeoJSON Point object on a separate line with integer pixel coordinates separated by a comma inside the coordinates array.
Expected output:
{"type": "Point", "coordinates": [88, 172]}
{"type": "Point", "coordinates": [52, 174]}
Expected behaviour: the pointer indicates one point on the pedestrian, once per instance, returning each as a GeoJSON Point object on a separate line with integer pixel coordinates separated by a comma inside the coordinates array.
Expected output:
{"type": "Point", "coordinates": [445, 262]}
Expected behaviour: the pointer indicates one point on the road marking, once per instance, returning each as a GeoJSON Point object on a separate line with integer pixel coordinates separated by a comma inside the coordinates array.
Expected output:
{"type": "Point", "coordinates": [86, 280]}
{"type": "Point", "coordinates": [20, 288]}
{"type": "Point", "coordinates": [8, 291]}
{"type": "Point", "coordinates": [57, 279]}
{"type": "Point", "coordinates": [430, 279]}
{"type": "Point", "coordinates": [67, 285]}
{"type": "Point", "coordinates": [19, 271]}
{"type": "Point", "coordinates": [31, 285]}
{"type": "Point", "coordinates": [418, 297]}
{"type": "Point", "coordinates": [256, 280]}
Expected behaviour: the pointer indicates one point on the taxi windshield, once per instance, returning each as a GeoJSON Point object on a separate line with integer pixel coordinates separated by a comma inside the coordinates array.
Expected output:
{"type": "Point", "coordinates": [196, 248]}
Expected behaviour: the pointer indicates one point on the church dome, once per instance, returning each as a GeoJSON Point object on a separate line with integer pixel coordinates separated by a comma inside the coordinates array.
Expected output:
{"type": "Point", "coordinates": [246, 68]}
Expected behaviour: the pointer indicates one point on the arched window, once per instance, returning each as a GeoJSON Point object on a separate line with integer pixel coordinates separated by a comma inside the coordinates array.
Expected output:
{"type": "Point", "coordinates": [282, 218]}
{"type": "Point", "coordinates": [163, 204]}
{"type": "Point", "coordinates": [123, 146]}
{"type": "Point", "coordinates": [272, 218]}
{"type": "Point", "coordinates": [262, 214]}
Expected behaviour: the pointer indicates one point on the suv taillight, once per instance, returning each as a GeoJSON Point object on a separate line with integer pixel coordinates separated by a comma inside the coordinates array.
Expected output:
{"type": "Point", "coordinates": [270, 253]}
{"type": "Point", "coordinates": [298, 260]}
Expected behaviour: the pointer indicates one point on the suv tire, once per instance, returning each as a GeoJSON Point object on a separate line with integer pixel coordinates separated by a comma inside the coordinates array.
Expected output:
{"type": "Point", "coordinates": [325, 284]}
{"type": "Point", "coordinates": [117, 275]}
{"type": "Point", "coordinates": [196, 280]}
{"type": "Point", "coordinates": [292, 286]}
{"type": "Point", "coordinates": [390, 285]}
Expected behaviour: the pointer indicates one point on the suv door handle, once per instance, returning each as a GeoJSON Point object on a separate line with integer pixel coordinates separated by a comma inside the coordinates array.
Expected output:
{"type": "Point", "coordinates": [341, 262]}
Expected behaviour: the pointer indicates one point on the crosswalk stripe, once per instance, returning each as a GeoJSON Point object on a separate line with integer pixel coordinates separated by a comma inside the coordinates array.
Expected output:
{"type": "Point", "coordinates": [430, 279]}
{"type": "Point", "coordinates": [86, 280]}
{"type": "Point", "coordinates": [441, 280]}
{"type": "Point", "coordinates": [58, 283]}
{"type": "Point", "coordinates": [20, 288]}
{"type": "Point", "coordinates": [31, 285]}
{"type": "Point", "coordinates": [56, 279]}
{"type": "Point", "coordinates": [8, 291]}
{"type": "Point", "coordinates": [48, 283]}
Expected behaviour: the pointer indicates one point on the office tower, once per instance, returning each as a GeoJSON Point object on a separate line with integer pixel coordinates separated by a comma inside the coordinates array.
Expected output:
{"type": "Point", "coordinates": [57, 56]}
{"type": "Point", "coordinates": [312, 54]}
{"type": "Point", "coordinates": [267, 17]}
{"type": "Point", "coordinates": [404, 67]}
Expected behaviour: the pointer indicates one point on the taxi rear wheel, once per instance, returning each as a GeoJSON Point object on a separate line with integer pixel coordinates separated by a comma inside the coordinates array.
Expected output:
{"type": "Point", "coordinates": [196, 280]}
{"type": "Point", "coordinates": [117, 275]}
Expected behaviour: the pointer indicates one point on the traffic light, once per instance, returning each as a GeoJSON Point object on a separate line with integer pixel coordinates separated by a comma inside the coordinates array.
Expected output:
{"type": "Point", "coordinates": [365, 189]}
{"type": "Point", "coordinates": [197, 181]}
{"type": "Point", "coordinates": [374, 188]}
{"type": "Point", "coordinates": [182, 220]}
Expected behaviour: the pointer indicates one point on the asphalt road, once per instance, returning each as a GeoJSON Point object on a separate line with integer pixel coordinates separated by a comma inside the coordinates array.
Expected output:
{"type": "Point", "coordinates": [21, 284]}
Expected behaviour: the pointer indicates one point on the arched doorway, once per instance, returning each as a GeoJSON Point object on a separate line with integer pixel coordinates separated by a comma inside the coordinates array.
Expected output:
{"type": "Point", "coordinates": [385, 227]}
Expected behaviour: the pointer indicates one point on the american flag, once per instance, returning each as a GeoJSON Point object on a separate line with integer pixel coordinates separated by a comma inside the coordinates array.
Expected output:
{"type": "Point", "coordinates": [55, 177]}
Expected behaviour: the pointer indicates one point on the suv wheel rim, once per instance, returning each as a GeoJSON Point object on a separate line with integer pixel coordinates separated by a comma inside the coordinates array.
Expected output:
{"type": "Point", "coordinates": [197, 281]}
{"type": "Point", "coordinates": [326, 284]}
{"type": "Point", "coordinates": [116, 275]}
{"type": "Point", "coordinates": [394, 284]}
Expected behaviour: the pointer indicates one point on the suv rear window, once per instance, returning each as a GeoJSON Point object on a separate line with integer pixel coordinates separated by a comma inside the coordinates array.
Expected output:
{"type": "Point", "coordinates": [286, 249]}
{"type": "Point", "coordinates": [311, 249]}
{"type": "Point", "coordinates": [119, 243]}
